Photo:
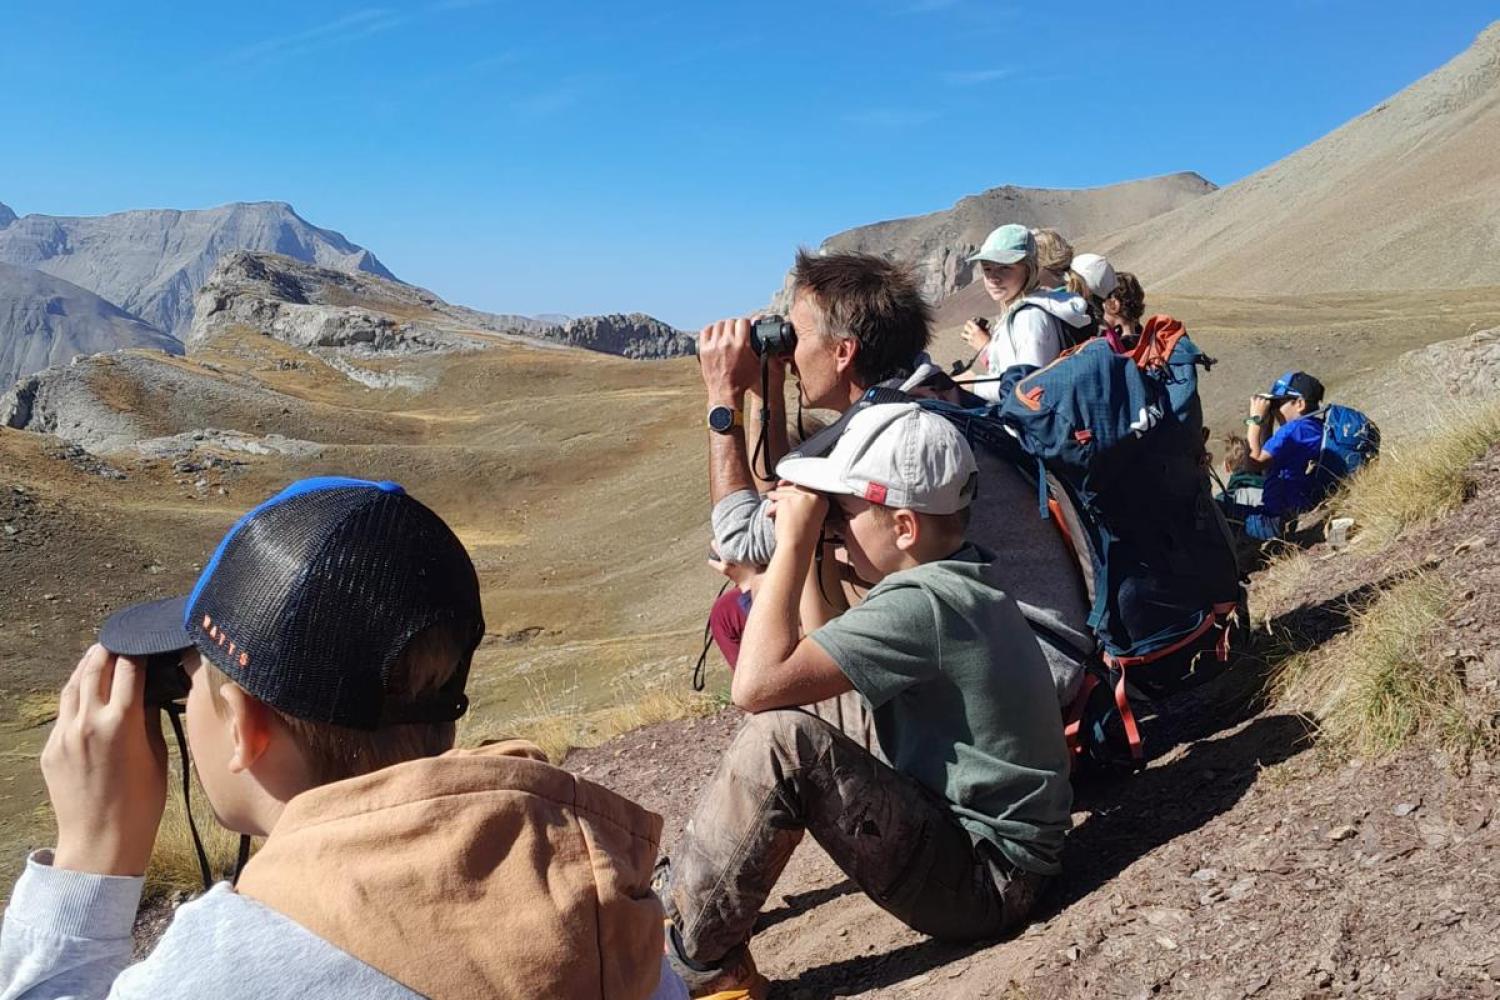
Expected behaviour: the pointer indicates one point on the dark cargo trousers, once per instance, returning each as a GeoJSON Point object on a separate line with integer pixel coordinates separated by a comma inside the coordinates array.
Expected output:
{"type": "Point", "coordinates": [819, 769]}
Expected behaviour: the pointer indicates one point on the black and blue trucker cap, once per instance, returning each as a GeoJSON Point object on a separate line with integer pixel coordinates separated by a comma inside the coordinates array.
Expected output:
{"type": "Point", "coordinates": [311, 597]}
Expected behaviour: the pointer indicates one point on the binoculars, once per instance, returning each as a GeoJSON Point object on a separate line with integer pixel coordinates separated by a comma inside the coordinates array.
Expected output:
{"type": "Point", "coordinates": [772, 337]}
{"type": "Point", "coordinates": [166, 682]}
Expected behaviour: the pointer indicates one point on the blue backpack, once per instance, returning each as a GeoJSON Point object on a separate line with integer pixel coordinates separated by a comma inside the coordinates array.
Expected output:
{"type": "Point", "coordinates": [1116, 447]}
{"type": "Point", "coordinates": [1350, 442]}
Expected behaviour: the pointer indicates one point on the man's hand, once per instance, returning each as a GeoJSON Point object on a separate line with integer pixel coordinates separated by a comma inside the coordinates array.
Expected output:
{"type": "Point", "coordinates": [799, 515]}
{"type": "Point", "coordinates": [728, 364]}
{"type": "Point", "coordinates": [105, 764]}
{"type": "Point", "coordinates": [1260, 406]}
{"type": "Point", "coordinates": [743, 575]}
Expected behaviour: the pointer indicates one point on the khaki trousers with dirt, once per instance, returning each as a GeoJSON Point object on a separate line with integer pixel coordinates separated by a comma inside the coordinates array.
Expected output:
{"type": "Point", "coordinates": [819, 769]}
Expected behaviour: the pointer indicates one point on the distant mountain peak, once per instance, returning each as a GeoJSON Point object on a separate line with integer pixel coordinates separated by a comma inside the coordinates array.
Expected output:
{"type": "Point", "coordinates": [6, 215]}
{"type": "Point", "coordinates": [151, 262]}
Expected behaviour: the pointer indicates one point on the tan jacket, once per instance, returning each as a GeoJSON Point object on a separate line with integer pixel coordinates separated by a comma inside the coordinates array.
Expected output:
{"type": "Point", "coordinates": [480, 873]}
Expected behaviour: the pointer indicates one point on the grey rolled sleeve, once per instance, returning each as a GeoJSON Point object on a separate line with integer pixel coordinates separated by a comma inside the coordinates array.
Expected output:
{"type": "Point", "coordinates": [743, 531]}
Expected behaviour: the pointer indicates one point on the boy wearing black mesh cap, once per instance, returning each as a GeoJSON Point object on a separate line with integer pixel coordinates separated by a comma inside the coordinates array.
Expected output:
{"type": "Point", "coordinates": [322, 659]}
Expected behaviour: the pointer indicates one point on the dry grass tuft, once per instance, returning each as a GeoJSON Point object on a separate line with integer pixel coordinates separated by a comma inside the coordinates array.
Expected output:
{"type": "Point", "coordinates": [557, 731]}
{"type": "Point", "coordinates": [174, 865]}
{"type": "Point", "coordinates": [35, 708]}
{"type": "Point", "coordinates": [1423, 479]}
{"type": "Point", "coordinates": [1383, 685]}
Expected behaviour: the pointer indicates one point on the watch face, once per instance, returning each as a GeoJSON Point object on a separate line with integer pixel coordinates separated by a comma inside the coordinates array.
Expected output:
{"type": "Point", "coordinates": [721, 419]}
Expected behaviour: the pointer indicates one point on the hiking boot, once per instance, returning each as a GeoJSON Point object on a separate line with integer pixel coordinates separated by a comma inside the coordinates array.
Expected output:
{"type": "Point", "coordinates": [740, 982]}
{"type": "Point", "coordinates": [735, 979]}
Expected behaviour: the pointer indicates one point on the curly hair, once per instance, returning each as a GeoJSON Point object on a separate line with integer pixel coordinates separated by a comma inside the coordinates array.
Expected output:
{"type": "Point", "coordinates": [1129, 295]}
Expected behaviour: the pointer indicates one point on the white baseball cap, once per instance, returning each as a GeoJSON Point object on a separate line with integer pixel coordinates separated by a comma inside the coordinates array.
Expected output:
{"type": "Point", "coordinates": [895, 455]}
{"type": "Point", "coordinates": [1096, 272]}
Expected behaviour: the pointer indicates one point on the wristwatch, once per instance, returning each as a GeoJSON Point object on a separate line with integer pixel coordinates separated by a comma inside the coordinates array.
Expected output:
{"type": "Point", "coordinates": [723, 419]}
{"type": "Point", "coordinates": [1256, 419]}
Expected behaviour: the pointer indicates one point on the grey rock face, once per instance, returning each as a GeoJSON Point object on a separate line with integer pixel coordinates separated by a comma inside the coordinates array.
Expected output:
{"type": "Point", "coordinates": [317, 307]}
{"type": "Point", "coordinates": [631, 336]}
{"type": "Point", "coordinates": [46, 321]}
{"type": "Point", "coordinates": [150, 263]}
{"type": "Point", "coordinates": [62, 402]}
{"type": "Point", "coordinates": [939, 244]}
{"type": "Point", "coordinates": [6, 215]}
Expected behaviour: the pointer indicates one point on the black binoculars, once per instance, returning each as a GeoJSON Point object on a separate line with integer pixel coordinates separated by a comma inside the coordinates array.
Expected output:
{"type": "Point", "coordinates": [772, 337]}
{"type": "Point", "coordinates": [167, 683]}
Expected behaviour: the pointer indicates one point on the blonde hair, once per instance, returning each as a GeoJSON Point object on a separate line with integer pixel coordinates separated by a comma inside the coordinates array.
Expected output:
{"type": "Point", "coordinates": [1053, 252]}
{"type": "Point", "coordinates": [333, 753]}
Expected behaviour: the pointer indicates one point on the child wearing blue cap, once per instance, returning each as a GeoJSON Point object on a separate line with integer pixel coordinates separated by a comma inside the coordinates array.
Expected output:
{"type": "Point", "coordinates": [1284, 437]}
{"type": "Point", "coordinates": [319, 666]}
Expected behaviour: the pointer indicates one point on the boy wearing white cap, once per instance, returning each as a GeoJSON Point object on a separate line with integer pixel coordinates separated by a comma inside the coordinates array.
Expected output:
{"type": "Point", "coordinates": [955, 817]}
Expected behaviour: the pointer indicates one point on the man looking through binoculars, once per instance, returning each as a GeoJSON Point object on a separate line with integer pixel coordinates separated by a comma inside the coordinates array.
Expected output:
{"type": "Point", "coordinates": [856, 320]}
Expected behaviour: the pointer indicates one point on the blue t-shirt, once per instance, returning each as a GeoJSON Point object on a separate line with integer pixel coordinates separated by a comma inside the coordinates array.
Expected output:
{"type": "Point", "coordinates": [1290, 487]}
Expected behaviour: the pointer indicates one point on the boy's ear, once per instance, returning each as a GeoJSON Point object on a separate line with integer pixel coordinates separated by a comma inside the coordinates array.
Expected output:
{"type": "Point", "coordinates": [250, 723]}
{"type": "Point", "coordinates": [908, 528]}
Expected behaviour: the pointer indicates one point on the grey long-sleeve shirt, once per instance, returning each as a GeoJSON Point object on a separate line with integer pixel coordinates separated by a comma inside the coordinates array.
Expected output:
{"type": "Point", "coordinates": [67, 935]}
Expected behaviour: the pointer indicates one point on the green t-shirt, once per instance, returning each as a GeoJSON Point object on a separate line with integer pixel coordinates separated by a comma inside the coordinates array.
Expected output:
{"type": "Point", "coordinates": [963, 700]}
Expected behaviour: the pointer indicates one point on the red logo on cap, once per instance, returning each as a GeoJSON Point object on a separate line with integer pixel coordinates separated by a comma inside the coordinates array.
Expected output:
{"type": "Point", "coordinates": [875, 493]}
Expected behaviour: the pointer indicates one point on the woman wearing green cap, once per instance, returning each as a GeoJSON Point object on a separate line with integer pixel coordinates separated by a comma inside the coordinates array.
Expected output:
{"type": "Point", "coordinates": [1036, 323]}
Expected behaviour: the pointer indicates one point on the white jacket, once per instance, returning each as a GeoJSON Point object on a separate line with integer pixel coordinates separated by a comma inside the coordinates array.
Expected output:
{"type": "Point", "coordinates": [1032, 333]}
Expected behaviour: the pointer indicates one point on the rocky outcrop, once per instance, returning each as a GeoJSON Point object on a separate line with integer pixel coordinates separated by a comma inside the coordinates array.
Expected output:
{"type": "Point", "coordinates": [62, 401]}
{"type": "Point", "coordinates": [321, 309]}
{"type": "Point", "coordinates": [6, 215]}
{"type": "Point", "coordinates": [46, 321]}
{"type": "Point", "coordinates": [635, 335]}
{"type": "Point", "coordinates": [150, 263]}
{"type": "Point", "coordinates": [318, 307]}
{"type": "Point", "coordinates": [1406, 396]}
{"type": "Point", "coordinates": [938, 245]}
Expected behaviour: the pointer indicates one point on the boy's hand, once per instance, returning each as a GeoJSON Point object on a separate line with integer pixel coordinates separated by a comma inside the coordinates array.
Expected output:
{"type": "Point", "coordinates": [728, 364]}
{"type": "Point", "coordinates": [1260, 406]}
{"type": "Point", "coordinates": [105, 764]}
{"type": "Point", "coordinates": [798, 514]}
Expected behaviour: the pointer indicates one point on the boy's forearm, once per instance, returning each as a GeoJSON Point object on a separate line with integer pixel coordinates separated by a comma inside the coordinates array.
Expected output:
{"type": "Point", "coordinates": [772, 631]}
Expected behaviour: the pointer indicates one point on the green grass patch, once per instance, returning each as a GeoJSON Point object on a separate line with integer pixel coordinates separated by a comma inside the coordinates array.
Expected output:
{"type": "Point", "coordinates": [1383, 686]}
{"type": "Point", "coordinates": [1420, 480]}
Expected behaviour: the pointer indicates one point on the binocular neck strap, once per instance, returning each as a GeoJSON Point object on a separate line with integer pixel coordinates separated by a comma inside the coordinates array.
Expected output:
{"type": "Point", "coordinates": [174, 712]}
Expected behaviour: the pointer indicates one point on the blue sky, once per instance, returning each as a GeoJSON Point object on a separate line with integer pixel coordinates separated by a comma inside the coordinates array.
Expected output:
{"type": "Point", "coordinates": [667, 157]}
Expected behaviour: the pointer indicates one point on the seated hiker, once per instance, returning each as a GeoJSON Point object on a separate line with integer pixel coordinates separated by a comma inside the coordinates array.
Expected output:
{"type": "Point", "coordinates": [1284, 436]}
{"type": "Point", "coordinates": [323, 657]}
{"type": "Point", "coordinates": [942, 788]}
{"type": "Point", "coordinates": [1123, 309]}
{"type": "Point", "coordinates": [1036, 323]}
{"type": "Point", "coordinates": [1242, 483]}
{"type": "Point", "coordinates": [862, 322]}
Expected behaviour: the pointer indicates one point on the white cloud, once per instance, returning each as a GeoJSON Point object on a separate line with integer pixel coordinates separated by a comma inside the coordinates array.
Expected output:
{"type": "Point", "coordinates": [357, 24]}
{"type": "Point", "coordinates": [975, 77]}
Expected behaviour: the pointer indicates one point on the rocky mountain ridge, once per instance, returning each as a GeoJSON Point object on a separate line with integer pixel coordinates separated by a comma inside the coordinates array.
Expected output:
{"type": "Point", "coordinates": [151, 262]}
{"type": "Point", "coordinates": [1404, 196]}
{"type": "Point", "coordinates": [939, 244]}
{"type": "Point", "coordinates": [46, 321]}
